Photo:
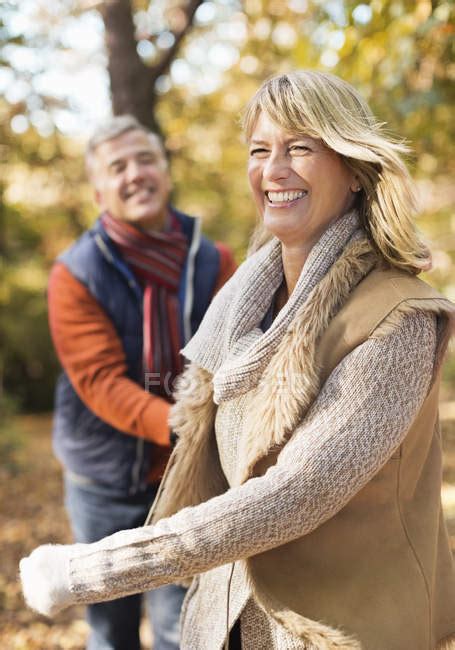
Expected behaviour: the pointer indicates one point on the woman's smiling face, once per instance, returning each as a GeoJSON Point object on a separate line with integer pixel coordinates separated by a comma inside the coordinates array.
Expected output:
{"type": "Point", "coordinates": [299, 185]}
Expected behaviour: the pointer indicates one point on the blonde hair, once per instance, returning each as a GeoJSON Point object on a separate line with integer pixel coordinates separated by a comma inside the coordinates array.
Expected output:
{"type": "Point", "coordinates": [324, 106]}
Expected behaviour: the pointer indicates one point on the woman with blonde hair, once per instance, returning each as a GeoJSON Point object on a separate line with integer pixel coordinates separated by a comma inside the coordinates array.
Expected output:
{"type": "Point", "coordinates": [303, 496]}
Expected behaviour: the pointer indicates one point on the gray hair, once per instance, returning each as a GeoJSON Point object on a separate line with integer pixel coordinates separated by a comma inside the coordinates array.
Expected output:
{"type": "Point", "coordinates": [113, 128]}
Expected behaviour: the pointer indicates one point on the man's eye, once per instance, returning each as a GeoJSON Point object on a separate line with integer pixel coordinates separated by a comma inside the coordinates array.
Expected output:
{"type": "Point", "coordinates": [147, 159]}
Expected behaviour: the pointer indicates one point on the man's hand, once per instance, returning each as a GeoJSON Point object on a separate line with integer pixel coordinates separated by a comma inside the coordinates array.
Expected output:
{"type": "Point", "coordinates": [45, 578]}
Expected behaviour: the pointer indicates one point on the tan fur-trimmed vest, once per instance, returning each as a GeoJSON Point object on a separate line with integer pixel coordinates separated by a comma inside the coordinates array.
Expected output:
{"type": "Point", "coordinates": [379, 574]}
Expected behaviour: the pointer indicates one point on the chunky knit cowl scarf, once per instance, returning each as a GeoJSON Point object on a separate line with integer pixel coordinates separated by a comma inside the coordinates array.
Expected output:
{"type": "Point", "coordinates": [229, 343]}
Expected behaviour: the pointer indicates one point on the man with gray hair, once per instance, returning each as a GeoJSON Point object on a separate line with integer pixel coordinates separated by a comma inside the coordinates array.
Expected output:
{"type": "Point", "coordinates": [123, 300]}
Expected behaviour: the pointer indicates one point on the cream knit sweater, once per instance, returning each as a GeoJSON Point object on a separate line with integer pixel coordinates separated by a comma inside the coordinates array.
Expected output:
{"type": "Point", "coordinates": [357, 421]}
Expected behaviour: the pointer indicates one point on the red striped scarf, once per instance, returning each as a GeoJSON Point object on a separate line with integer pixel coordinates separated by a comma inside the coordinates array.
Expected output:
{"type": "Point", "coordinates": [156, 260]}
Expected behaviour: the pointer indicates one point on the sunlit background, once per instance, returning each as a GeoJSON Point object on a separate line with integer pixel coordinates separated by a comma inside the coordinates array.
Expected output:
{"type": "Point", "coordinates": [55, 89]}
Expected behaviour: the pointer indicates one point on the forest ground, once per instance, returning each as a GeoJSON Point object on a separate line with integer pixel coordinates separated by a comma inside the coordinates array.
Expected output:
{"type": "Point", "coordinates": [32, 513]}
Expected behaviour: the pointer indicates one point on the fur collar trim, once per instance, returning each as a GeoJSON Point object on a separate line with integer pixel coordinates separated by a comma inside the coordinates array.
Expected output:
{"type": "Point", "coordinates": [290, 382]}
{"type": "Point", "coordinates": [194, 473]}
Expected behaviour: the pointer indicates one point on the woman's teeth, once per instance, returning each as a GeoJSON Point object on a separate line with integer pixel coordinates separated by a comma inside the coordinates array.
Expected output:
{"type": "Point", "coordinates": [282, 197]}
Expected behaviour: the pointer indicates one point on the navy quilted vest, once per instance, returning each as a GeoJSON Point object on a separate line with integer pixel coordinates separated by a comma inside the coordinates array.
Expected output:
{"type": "Point", "coordinates": [85, 444]}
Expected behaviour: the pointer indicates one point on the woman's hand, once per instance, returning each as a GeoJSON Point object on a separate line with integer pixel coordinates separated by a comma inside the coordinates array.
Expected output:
{"type": "Point", "coordinates": [45, 578]}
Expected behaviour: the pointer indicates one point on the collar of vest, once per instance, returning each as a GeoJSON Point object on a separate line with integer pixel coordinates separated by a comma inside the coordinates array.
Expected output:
{"type": "Point", "coordinates": [191, 228]}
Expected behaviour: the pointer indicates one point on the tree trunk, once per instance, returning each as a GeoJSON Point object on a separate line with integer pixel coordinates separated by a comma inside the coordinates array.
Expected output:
{"type": "Point", "coordinates": [132, 81]}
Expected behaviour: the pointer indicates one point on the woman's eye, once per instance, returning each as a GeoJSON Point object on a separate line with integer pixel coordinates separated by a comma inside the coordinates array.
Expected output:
{"type": "Point", "coordinates": [258, 151]}
{"type": "Point", "coordinates": [299, 148]}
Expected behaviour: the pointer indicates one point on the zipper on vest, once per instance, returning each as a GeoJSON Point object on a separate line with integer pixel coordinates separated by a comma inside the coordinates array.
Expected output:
{"type": "Point", "coordinates": [189, 289]}
{"type": "Point", "coordinates": [104, 249]}
{"type": "Point", "coordinates": [136, 471]}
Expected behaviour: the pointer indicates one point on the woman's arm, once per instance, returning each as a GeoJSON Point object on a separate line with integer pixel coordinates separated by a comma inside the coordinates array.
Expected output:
{"type": "Point", "coordinates": [360, 417]}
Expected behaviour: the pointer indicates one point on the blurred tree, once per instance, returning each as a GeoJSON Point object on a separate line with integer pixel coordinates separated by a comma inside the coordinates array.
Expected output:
{"type": "Point", "coordinates": [133, 82]}
{"type": "Point", "coordinates": [190, 67]}
{"type": "Point", "coordinates": [40, 211]}
{"type": "Point", "coordinates": [31, 236]}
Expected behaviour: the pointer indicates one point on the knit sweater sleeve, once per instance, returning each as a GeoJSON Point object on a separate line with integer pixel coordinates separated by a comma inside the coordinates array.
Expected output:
{"type": "Point", "coordinates": [91, 352]}
{"type": "Point", "coordinates": [359, 418]}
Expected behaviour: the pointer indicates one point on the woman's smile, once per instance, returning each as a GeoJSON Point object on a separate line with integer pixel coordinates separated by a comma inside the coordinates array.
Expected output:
{"type": "Point", "coordinates": [284, 198]}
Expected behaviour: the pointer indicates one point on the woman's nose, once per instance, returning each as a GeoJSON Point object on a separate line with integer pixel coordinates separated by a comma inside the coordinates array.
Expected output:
{"type": "Point", "coordinates": [276, 167]}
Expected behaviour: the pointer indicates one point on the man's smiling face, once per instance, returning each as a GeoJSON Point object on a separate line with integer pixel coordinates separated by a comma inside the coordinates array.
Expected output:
{"type": "Point", "coordinates": [131, 179]}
